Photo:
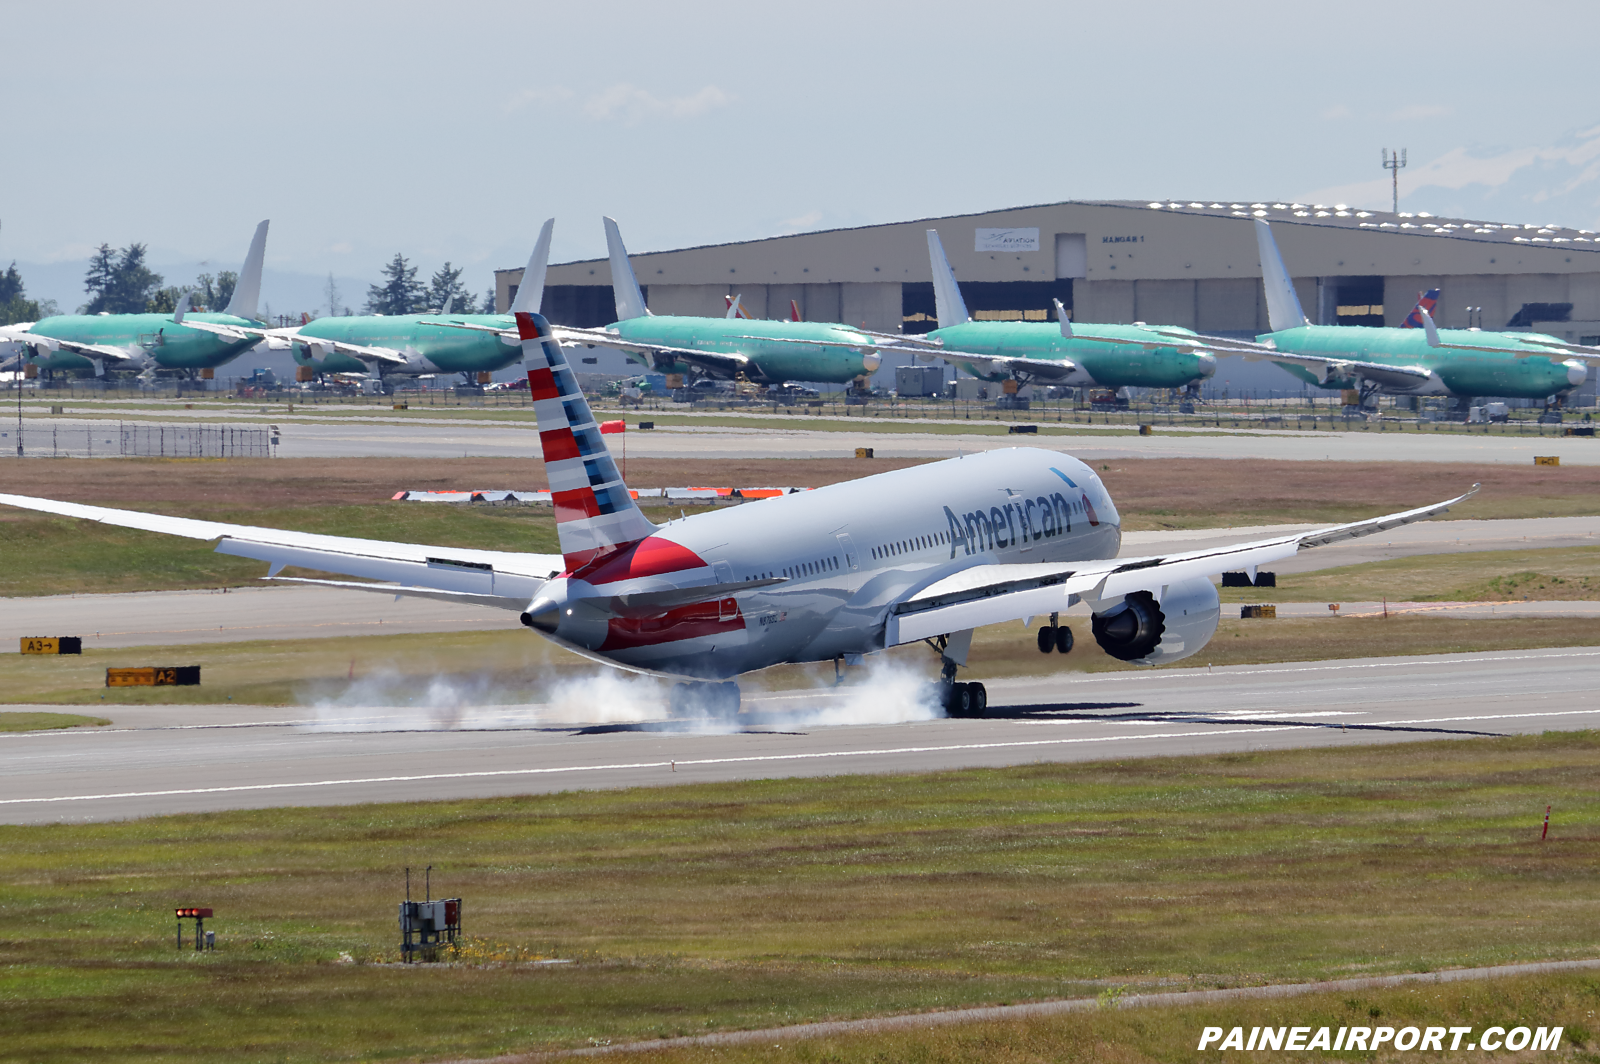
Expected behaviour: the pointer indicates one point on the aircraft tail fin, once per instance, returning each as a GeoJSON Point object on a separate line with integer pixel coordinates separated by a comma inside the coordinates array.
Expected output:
{"type": "Point", "coordinates": [183, 308]}
{"type": "Point", "coordinates": [736, 307]}
{"type": "Point", "coordinates": [1426, 302]}
{"type": "Point", "coordinates": [530, 292]}
{"type": "Point", "coordinates": [247, 292]}
{"type": "Point", "coordinates": [794, 310]}
{"type": "Point", "coordinates": [624, 285]}
{"type": "Point", "coordinates": [1283, 306]}
{"type": "Point", "coordinates": [947, 301]}
{"type": "Point", "coordinates": [595, 513]}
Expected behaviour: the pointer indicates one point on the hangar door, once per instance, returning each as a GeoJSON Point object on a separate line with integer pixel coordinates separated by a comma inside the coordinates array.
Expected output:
{"type": "Point", "coordinates": [1072, 256]}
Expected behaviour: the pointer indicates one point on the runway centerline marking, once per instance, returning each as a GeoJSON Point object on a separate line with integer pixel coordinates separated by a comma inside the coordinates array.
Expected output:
{"type": "Point", "coordinates": [755, 759]}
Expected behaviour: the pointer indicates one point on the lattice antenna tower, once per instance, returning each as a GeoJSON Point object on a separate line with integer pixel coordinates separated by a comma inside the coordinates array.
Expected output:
{"type": "Point", "coordinates": [1394, 164]}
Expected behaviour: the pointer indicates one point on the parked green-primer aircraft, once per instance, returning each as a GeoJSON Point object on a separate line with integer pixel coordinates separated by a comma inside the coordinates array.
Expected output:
{"type": "Point", "coordinates": [1463, 363]}
{"type": "Point", "coordinates": [1106, 356]}
{"type": "Point", "coordinates": [414, 345]}
{"type": "Point", "coordinates": [761, 351]}
{"type": "Point", "coordinates": [148, 342]}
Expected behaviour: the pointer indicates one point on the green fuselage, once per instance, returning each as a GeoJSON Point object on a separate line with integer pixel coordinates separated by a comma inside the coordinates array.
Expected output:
{"type": "Point", "coordinates": [834, 353]}
{"type": "Point", "coordinates": [1108, 365]}
{"type": "Point", "coordinates": [426, 348]}
{"type": "Point", "coordinates": [1454, 373]}
{"type": "Point", "coordinates": [147, 338]}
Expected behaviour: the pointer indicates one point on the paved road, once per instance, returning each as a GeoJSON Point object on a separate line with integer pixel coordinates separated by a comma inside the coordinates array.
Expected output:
{"type": "Point", "coordinates": [285, 612]}
{"type": "Point", "coordinates": [360, 436]}
{"type": "Point", "coordinates": [167, 759]}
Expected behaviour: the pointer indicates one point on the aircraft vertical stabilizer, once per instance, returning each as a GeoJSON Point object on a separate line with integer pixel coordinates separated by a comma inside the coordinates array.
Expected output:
{"type": "Point", "coordinates": [630, 301]}
{"type": "Point", "coordinates": [595, 513]}
{"type": "Point", "coordinates": [530, 291]}
{"type": "Point", "coordinates": [247, 292]}
{"type": "Point", "coordinates": [1426, 302]}
{"type": "Point", "coordinates": [947, 301]}
{"type": "Point", "coordinates": [1283, 306]}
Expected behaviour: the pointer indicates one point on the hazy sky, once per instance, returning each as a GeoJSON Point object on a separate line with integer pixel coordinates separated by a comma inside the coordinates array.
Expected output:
{"type": "Point", "coordinates": [453, 131]}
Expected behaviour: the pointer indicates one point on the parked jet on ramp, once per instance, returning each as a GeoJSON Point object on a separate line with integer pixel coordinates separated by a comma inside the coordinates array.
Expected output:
{"type": "Point", "coordinates": [411, 345]}
{"type": "Point", "coordinates": [922, 554]}
{"type": "Point", "coordinates": [1107, 356]}
{"type": "Point", "coordinates": [1463, 363]}
{"type": "Point", "coordinates": [144, 342]}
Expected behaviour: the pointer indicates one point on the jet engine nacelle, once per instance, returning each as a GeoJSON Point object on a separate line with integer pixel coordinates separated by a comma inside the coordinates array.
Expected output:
{"type": "Point", "coordinates": [1146, 632]}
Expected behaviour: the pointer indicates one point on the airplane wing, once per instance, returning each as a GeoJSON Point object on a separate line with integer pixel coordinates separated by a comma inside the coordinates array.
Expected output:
{"type": "Point", "coordinates": [990, 594]}
{"type": "Point", "coordinates": [1537, 346]}
{"type": "Point", "coordinates": [723, 364]}
{"type": "Point", "coordinates": [42, 345]}
{"type": "Point", "coordinates": [503, 579]}
{"type": "Point", "coordinates": [278, 339]}
{"type": "Point", "coordinates": [1016, 366]}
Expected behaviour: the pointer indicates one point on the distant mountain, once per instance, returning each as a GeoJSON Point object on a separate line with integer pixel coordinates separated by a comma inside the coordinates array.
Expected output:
{"type": "Point", "coordinates": [1554, 184]}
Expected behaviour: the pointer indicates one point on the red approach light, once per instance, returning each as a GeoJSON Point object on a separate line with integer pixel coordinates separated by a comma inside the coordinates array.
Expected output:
{"type": "Point", "coordinates": [189, 914]}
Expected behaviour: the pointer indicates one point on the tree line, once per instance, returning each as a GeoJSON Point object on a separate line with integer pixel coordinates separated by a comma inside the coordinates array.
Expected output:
{"type": "Point", "coordinates": [120, 281]}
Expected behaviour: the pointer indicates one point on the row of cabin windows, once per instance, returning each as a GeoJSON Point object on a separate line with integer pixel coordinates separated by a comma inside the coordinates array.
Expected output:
{"type": "Point", "coordinates": [811, 568]}
{"type": "Point", "coordinates": [906, 546]}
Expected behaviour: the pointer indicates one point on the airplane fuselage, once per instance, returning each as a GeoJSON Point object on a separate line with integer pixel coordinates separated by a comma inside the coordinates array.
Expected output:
{"type": "Point", "coordinates": [1108, 365]}
{"type": "Point", "coordinates": [845, 553]}
{"type": "Point", "coordinates": [1454, 373]}
{"type": "Point", "coordinates": [427, 348]}
{"type": "Point", "coordinates": [837, 356]}
{"type": "Point", "coordinates": [147, 338]}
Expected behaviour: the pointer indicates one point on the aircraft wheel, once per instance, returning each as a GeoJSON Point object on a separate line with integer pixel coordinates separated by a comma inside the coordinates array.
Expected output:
{"type": "Point", "coordinates": [980, 699]}
{"type": "Point", "coordinates": [958, 702]}
{"type": "Point", "coordinates": [1064, 639]}
{"type": "Point", "coordinates": [1047, 639]}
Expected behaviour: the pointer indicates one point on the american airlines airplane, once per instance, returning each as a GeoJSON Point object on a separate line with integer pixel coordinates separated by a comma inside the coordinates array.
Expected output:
{"type": "Point", "coordinates": [922, 554]}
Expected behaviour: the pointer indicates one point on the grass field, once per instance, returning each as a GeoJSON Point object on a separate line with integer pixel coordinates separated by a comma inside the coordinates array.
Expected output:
{"type": "Point", "coordinates": [45, 555]}
{"type": "Point", "coordinates": [21, 722]}
{"type": "Point", "coordinates": [755, 904]}
{"type": "Point", "coordinates": [512, 666]}
{"type": "Point", "coordinates": [1555, 574]}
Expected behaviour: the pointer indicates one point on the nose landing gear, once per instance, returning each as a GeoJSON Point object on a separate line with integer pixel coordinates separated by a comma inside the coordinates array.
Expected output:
{"type": "Point", "coordinates": [1055, 636]}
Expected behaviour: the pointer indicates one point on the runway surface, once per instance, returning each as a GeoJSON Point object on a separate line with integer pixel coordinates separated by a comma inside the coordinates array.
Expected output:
{"type": "Point", "coordinates": [169, 759]}
{"type": "Point", "coordinates": [286, 612]}
{"type": "Point", "coordinates": [362, 436]}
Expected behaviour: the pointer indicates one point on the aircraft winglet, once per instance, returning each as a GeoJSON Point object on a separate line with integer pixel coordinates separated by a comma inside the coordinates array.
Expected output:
{"type": "Point", "coordinates": [247, 292]}
{"type": "Point", "coordinates": [1283, 306]}
{"type": "Point", "coordinates": [624, 285]}
{"type": "Point", "coordinates": [948, 305]}
{"type": "Point", "coordinates": [530, 292]}
{"type": "Point", "coordinates": [1066, 322]}
{"type": "Point", "coordinates": [183, 308]}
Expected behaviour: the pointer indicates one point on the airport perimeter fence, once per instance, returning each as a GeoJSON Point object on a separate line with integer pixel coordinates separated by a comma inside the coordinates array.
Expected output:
{"type": "Point", "coordinates": [138, 439]}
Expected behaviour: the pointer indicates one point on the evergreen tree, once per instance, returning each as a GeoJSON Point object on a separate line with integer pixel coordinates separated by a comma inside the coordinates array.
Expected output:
{"type": "Point", "coordinates": [402, 293]}
{"type": "Point", "coordinates": [120, 284]}
{"type": "Point", "coordinates": [332, 294]}
{"type": "Point", "coordinates": [214, 293]}
{"type": "Point", "coordinates": [15, 306]}
{"type": "Point", "coordinates": [488, 301]}
{"type": "Point", "coordinates": [446, 288]}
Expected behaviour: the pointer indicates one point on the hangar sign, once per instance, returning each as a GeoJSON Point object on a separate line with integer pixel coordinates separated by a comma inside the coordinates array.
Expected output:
{"type": "Point", "coordinates": [1007, 240]}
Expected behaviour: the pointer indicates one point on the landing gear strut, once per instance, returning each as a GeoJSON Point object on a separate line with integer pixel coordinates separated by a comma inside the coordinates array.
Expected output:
{"type": "Point", "coordinates": [1054, 636]}
{"type": "Point", "coordinates": [719, 700]}
{"type": "Point", "coordinates": [957, 699]}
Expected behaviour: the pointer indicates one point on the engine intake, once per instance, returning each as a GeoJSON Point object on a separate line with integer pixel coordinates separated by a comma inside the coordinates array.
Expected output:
{"type": "Point", "coordinates": [1146, 632]}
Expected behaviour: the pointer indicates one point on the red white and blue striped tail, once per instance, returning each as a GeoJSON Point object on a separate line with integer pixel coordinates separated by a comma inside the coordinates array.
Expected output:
{"type": "Point", "coordinates": [595, 513]}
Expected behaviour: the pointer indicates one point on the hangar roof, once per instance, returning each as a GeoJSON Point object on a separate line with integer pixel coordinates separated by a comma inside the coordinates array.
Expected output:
{"type": "Point", "coordinates": [1124, 240]}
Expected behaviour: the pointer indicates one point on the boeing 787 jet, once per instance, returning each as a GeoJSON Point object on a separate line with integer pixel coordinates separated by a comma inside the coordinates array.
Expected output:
{"type": "Point", "coordinates": [926, 554]}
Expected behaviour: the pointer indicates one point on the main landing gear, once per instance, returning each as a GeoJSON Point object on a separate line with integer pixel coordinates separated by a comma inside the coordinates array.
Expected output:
{"type": "Point", "coordinates": [719, 700]}
{"type": "Point", "coordinates": [1055, 636]}
{"type": "Point", "coordinates": [957, 699]}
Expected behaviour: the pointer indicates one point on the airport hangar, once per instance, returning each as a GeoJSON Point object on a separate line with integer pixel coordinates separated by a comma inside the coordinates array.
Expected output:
{"type": "Point", "coordinates": [1165, 262]}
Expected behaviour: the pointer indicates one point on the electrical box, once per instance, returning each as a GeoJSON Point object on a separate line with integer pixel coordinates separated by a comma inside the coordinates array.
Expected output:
{"type": "Point", "coordinates": [917, 381]}
{"type": "Point", "coordinates": [971, 388]}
